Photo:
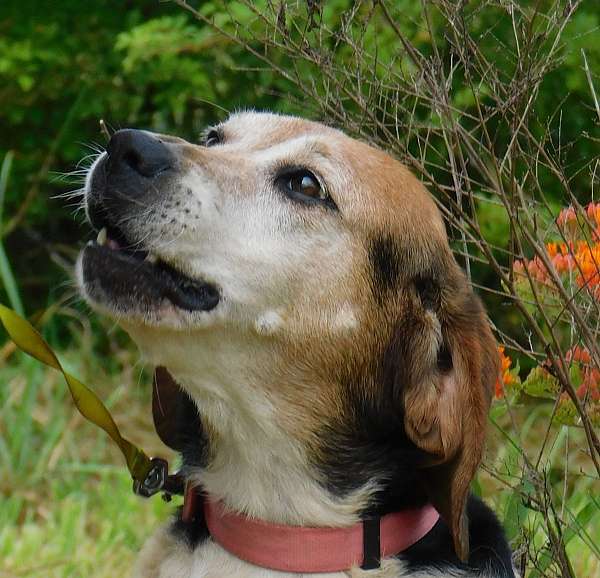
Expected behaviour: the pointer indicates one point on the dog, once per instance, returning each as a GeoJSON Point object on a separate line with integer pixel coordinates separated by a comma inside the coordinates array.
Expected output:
{"type": "Point", "coordinates": [327, 361]}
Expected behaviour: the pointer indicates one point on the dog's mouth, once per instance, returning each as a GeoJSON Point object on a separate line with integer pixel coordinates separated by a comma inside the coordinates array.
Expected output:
{"type": "Point", "coordinates": [128, 277]}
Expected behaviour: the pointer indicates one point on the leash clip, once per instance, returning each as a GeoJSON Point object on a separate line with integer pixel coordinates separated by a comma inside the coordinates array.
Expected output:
{"type": "Point", "coordinates": [158, 480]}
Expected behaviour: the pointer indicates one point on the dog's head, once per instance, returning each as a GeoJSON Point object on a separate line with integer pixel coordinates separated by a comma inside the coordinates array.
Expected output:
{"type": "Point", "coordinates": [283, 265]}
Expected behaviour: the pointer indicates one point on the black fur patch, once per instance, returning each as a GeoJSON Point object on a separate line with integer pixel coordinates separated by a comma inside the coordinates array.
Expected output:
{"type": "Point", "coordinates": [385, 262]}
{"type": "Point", "coordinates": [490, 553]}
{"type": "Point", "coordinates": [372, 446]}
{"type": "Point", "coordinates": [444, 359]}
{"type": "Point", "coordinates": [428, 291]}
{"type": "Point", "coordinates": [376, 448]}
{"type": "Point", "coordinates": [192, 439]}
{"type": "Point", "coordinates": [190, 533]}
{"type": "Point", "coordinates": [192, 442]}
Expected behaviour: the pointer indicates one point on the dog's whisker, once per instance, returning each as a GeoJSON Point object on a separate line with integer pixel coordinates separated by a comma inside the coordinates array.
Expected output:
{"type": "Point", "coordinates": [86, 160]}
{"type": "Point", "coordinates": [160, 247]}
{"type": "Point", "coordinates": [69, 194]}
{"type": "Point", "coordinates": [95, 147]}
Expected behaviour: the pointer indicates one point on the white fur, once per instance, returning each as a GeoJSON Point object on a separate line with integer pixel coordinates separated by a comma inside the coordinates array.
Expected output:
{"type": "Point", "coordinates": [269, 323]}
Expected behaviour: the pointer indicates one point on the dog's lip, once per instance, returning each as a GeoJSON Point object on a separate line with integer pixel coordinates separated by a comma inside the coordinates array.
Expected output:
{"type": "Point", "coordinates": [114, 239]}
{"type": "Point", "coordinates": [126, 273]}
{"type": "Point", "coordinates": [120, 268]}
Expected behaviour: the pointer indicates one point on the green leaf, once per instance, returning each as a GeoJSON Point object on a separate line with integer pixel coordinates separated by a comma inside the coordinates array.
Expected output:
{"type": "Point", "coordinates": [540, 383]}
{"type": "Point", "coordinates": [581, 520]}
{"type": "Point", "coordinates": [514, 515]}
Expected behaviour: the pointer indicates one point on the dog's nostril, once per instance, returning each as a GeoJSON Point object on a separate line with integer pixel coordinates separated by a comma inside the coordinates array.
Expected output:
{"type": "Point", "coordinates": [133, 160]}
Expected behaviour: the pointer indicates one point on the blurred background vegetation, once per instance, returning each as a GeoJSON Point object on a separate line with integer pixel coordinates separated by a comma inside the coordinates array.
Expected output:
{"type": "Point", "coordinates": [66, 64]}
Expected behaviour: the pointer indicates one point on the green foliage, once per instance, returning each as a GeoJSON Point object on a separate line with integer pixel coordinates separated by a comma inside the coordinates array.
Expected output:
{"type": "Point", "coordinates": [523, 496]}
{"type": "Point", "coordinates": [539, 383]}
{"type": "Point", "coordinates": [6, 274]}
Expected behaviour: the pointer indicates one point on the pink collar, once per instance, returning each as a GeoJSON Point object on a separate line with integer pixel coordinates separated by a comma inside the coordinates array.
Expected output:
{"type": "Point", "coordinates": [300, 549]}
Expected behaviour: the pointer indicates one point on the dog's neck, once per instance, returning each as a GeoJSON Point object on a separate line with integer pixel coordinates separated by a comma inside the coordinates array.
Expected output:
{"type": "Point", "coordinates": [252, 451]}
{"type": "Point", "coordinates": [255, 448]}
{"type": "Point", "coordinates": [258, 469]}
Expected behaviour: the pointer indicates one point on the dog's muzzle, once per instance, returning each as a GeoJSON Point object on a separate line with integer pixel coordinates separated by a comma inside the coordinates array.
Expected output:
{"type": "Point", "coordinates": [132, 178]}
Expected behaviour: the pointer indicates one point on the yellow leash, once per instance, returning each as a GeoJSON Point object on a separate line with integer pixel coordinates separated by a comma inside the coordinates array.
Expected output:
{"type": "Point", "coordinates": [149, 475]}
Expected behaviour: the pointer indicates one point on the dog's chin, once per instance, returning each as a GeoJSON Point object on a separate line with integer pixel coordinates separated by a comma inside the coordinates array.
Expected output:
{"type": "Point", "coordinates": [134, 290]}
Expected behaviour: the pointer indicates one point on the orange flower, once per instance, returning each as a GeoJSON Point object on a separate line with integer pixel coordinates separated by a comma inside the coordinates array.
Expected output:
{"type": "Point", "coordinates": [590, 385]}
{"type": "Point", "coordinates": [563, 263]}
{"type": "Point", "coordinates": [593, 380]}
{"type": "Point", "coordinates": [505, 377]}
{"type": "Point", "coordinates": [566, 216]}
{"type": "Point", "coordinates": [577, 257]}
{"type": "Point", "coordinates": [554, 249]}
{"type": "Point", "coordinates": [499, 389]}
{"type": "Point", "coordinates": [588, 260]}
{"type": "Point", "coordinates": [518, 267]}
{"type": "Point", "coordinates": [593, 213]}
{"type": "Point", "coordinates": [537, 270]}
{"type": "Point", "coordinates": [579, 354]}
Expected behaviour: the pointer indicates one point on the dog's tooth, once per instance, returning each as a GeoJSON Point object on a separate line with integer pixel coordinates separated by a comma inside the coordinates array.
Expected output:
{"type": "Point", "coordinates": [152, 259]}
{"type": "Point", "coordinates": [101, 239]}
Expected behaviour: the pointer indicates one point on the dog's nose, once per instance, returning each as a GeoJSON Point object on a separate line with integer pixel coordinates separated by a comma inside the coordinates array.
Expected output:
{"type": "Point", "coordinates": [138, 151]}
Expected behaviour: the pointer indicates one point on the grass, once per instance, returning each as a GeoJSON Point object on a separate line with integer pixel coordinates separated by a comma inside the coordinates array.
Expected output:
{"type": "Point", "coordinates": [6, 273]}
{"type": "Point", "coordinates": [65, 494]}
{"type": "Point", "coordinates": [92, 526]}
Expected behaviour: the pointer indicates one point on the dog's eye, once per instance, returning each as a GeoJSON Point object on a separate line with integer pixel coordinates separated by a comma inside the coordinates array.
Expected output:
{"type": "Point", "coordinates": [212, 137]}
{"type": "Point", "coordinates": [302, 185]}
{"type": "Point", "coordinates": [305, 183]}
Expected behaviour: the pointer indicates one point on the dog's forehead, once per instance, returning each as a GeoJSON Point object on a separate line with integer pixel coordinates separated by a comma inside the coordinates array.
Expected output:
{"type": "Point", "coordinates": [269, 129]}
{"type": "Point", "coordinates": [367, 166]}
{"type": "Point", "coordinates": [373, 187]}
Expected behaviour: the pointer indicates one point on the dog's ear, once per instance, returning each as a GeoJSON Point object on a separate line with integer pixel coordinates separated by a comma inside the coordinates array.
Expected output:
{"type": "Point", "coordinates": [442, 365]}
{"type": "Point", "coordinates": [168, 400]}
